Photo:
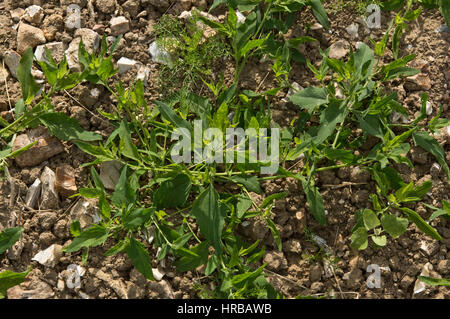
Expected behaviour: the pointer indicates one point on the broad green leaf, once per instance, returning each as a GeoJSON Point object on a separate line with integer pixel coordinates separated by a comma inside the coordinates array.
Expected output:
{"type": "Point", "coordinates": [140, 258]}
{"type": "Point", "coordinates": [98, 151]}
{"type": "Point", "coordinates": [232, 17]}
{"type": "Point", "coordinates": [172, 193]}
{"type": "Point", "coordinates": [84, 57]}
{"type": "Point", "coordinates": [211, 265]}
{"type": "Point", "coordinates": [227, 95]}
{"type": "Point", "coordinates": [359, 239]}
{"type": "Point", "coordinates": [92, 237]}
{"type": "Point", "coordinates": [181, 241]}
{"type": "Point", "coordinates": [84, 255]}
{"type": "Point", "coordinates": [388, 178]}
{"type": "Point", "coordinates": [97, 180]}
{"type": "Point", "coordinates": [243, 205]}
{"type": "Point", "coordinates": [380, 46]}
{"type": "Point", "coordinates": [392, 5]}
{"type": "Point", "coordinates": [217, 3]}
{"type": "Point", "coordinates": [220, 118]}
{"type": "Point", "coordinates": [429, 144]}
{"type": "Point", "coordinates": [310, 98]}
{"type": "Point", "coordinates": [256, 256]}
{"type": "Point", "coordinates": [375, 202]}
{"type": "Point", "coordinates": [210, 216]}
{"type": "Point", "coordinates": [123, 193]}
{"type": "Point", "coordinates": [438, 213]}
{"type": "Point", "coordinates": [320, 13]}
{"type": "Point", "coordinates": [104, 207]}
{"type": "Point", "coordinates": [444, 7]}
{"type": "Point", "coordinates": [126, 144]}
{"type": "Point", "coordinates": [67, 128]}
{"type": "Point", "coordinates": [243, 33]}
{"type": "Point", "coordinates": [117, 248]}
{"type": "Point", "coordinates": [372, 125]}
{"type": "Point", "coordinates": [75, 228]}
{"type": "Point", "coordinates": [403, 193]}
{"type": "Point", "coordinates": [8, 238]}
{"type": "Point", "coordinates": [393, 225]}
{"type": "Point", "coordinates": [215, 25]}
{"type": "Point", "coordinates": [251, 45]}
{"type": "Point", "coordinates": [90, 192]}
{"type": "Point", "coordinates": [196, 103]}
{"type": "Point", "coordinates": [234, 259]}
{"type": "Point", "coordinates": [106, 70]}
{"type": "Point", "coordinates": [295, 42]}
{"type": "Point", "coordinates": [445, 211]}
{"type": "Point", "coordinates": [421, 190]}
{"type": "Point", "coordinates": [359, 222]}
{"type": "Point", "coordinates": [275, 233]}
{"type": "Point", "coordinates": [346, 156]}
{"type": "Point", "coordinates": [251, 183]}
{"type": "Point", "coordinates": [49, 69]}
{"type": "Point", "coordinates": [315, 201]}
{"type": "Point", "coordinates": [339, 66]}
{"type": "Point", "coordinates": [363, 59]}
{"type": "Point", "coordinates": [412, 15]}
{"type": "Point", "coordinates": [398, 63]}
{"type": "Point", "coordinates": [248, 277]}
{"type": "Point", "coordinates": [436, 122]}
{"type": "Point", "coordinates": [329, 118]}
{"type": "Point", "coordinates": [435, 281]}
{"type": "Point", "coordinates": [29, 86]}
{"type": "Point", "coordinates": [9, 279]}
{"type": "Point", "coordinates": [379, 240]}
{"type": "Point", "coordinates": [249, 249]}
{"type": "Point", "coordinates": [170, 115]}
{"type": "Point", "coordinates": [400, 72]}
{"type": "Point", "coordinates": [137, 218]}
{"type": "Point", "coordinates": [199, 256]}
{"type": "Point", "coordinates": [421, 224]}
{"type": "Point", "coordinates": [19, 108]}
{"type": "Point", "coordinates": [370, 219]}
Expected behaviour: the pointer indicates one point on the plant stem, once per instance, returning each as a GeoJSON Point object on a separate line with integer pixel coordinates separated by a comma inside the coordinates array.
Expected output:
{"type": "Point", "coordinates": [321, 169]}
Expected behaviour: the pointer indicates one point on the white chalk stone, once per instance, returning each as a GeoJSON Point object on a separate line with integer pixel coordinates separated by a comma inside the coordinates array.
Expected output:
{"type": "Point", "coordinates": [50, 256]}
{"type": "Point", "coordinates": [159, 55]}
{"type": "Point", "coordinates": [124, 64]}
{"type": "Point", "coordinates": [73, 20]}
{"type": "Point", "coordinates": [158, 274]}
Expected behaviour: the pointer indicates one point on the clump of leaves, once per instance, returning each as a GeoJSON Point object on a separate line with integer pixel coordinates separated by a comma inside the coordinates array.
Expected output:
{"type": "Point", "coordinates": [262, 32]}
{"type": "Point", "coordinates": [98, 68]}
{"type": "Point", "coordinates": [353, 98]}
{"type": "Point", "coordinates": [177, 208]}
{"type": "Point", "coordinates": [193, 53]}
